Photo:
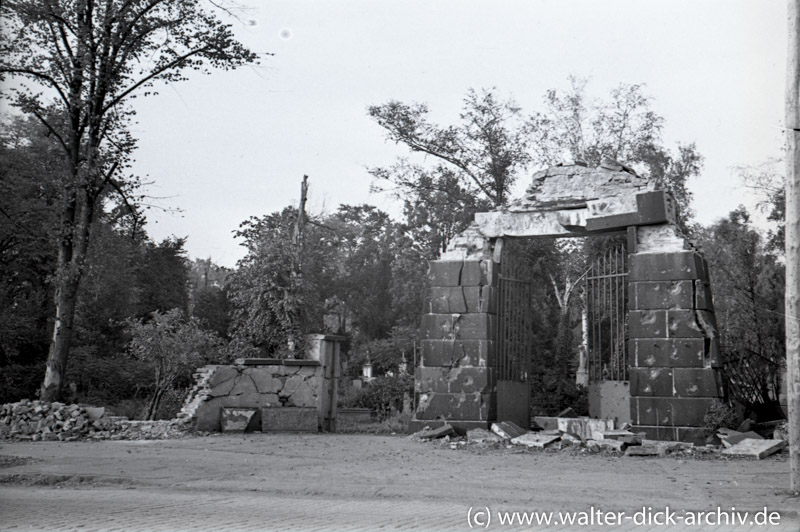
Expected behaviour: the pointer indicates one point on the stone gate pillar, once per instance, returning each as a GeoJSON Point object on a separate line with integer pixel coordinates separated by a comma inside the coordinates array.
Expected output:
{"type": "Point", "coordinates": [456, 379]}
{"type": "Point", "coordinates": [675, 375]}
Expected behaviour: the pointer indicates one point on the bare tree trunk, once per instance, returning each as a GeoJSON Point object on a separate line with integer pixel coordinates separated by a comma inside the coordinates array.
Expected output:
{"type": "Point", "coordinates": [793, 240]}
{"type": "Point", "coordinates": [76, 223]}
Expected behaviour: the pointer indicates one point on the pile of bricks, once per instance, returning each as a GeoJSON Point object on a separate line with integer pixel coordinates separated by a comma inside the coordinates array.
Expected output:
{"type": "Point", "coordinates": [45, 421]}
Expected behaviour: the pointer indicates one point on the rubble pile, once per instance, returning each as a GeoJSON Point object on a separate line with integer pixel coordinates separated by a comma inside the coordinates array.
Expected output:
{"type": "Point", "coordinates": [594, 436]}
{"type": "Point", "coordinates": [45, 421]}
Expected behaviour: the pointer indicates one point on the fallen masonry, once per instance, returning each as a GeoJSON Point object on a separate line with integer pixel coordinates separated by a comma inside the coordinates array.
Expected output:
{"type": "Point", "coordinates": [45, 421]}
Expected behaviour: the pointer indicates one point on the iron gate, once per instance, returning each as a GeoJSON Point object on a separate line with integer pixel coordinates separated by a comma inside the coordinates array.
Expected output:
{"type": "Point", "coordinates": [606, 286]}
{"type": "Point", "coordinates": [515, 334]}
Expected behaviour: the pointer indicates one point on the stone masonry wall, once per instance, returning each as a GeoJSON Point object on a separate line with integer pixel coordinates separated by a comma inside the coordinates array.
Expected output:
{"type": "Point", "coordinates": [675, 376]}
{"type": "Point", "coordinates": [456, 376]}
{"type": "Point", "coordinates": [268, 383]}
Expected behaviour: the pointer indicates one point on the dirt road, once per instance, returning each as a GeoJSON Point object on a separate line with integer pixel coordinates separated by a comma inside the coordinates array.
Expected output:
{"type": "Point", "coordinates": [367, 482]}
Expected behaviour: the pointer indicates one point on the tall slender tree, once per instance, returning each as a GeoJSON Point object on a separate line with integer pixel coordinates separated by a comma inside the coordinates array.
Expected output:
{"type": "Point", "coordinates": [76, 65]}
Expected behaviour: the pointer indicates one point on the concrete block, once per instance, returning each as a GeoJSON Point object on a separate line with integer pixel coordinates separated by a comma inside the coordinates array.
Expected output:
{"type": "Point", "coordinates": [462, 273]}
{"type": "Point", "coordinates": [238, 419]}
{"type": "Point", "coordinates": [651, 382]}
{"type": "Point", "coordinates": [675, 266]}
{"type": "Point", "coordinates": [458, 353]}
{"type": "Point", "coordinates": [289, 419]}
{"type": "Point", "coordinates": [445, 272]}
{"type": "Point", "coordinates": [670, 411]}
{"type": "Point", "coordinates": [674, 353]}
{"type": "Point", "coordinates": [683, 324]}
{"type": "Point", "coordinates": [454, 380]}
{"type": "Point", "coordinates": [647, 324]}
{"type": "Point", "coordinates": [456, 406]}
{"type": "Point", "coordinates": [698, 382]}
{"type": "Point", "coordinates": [650, 295]}
{"type": "Point", "coordinates": [694, 435]}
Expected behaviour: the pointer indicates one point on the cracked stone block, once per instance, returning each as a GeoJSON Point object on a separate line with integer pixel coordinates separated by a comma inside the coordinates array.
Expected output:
{"type": "Point", "coordinates": [303, 396]}
{"type": "Point", "coordinates": [456, 406]}
{"type": "Point", "coordinates": [651, 382]}
{"type": "Point", "coordinates": [289, 419]}
{"type": "Point", "coordinates": [650, 295]}
{"type": "Point", "coordinates": [447, 380]}
{"type": "Point", "coordinates": [647, 324]}
{"type": "Point", "coordinates": [243, 385]}
{"type": "Point", "coordinates": [458, 353]}
{"type": "Point", "coordinates": [705, 382]}
{"type": "Point", "coordinates": [459, 326]}
{"type": "Point", "coordinates": [683, 324]}
{"type": "Point", "coordinates": [222, 374]}
{"type": "Point", "coordinates": [445, 272]}
{"type": "Point", "coordinates": [291, 385]}
{"type": "Point", "coordinates": [264, 380]}
{"type": "Point", "coordinates": [673, 352]}
{"type": "Point", "coordinates": [223, 388]}
{"type": "Point", "coordinates": [685, 265]}
{"type": "Point", "coordinates": [670, 411]}
{"type": "Point", "coordinates": [462, 299]}
{"type": "Point", "coordinates": [237, 419]}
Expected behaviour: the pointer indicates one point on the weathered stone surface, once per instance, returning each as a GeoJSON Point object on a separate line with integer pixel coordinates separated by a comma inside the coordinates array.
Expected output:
{"type": "Point", "coordinates": [243, 385]}
{"type": "Point", "coordinates": [675, 353]}
{"type": "Point", "coordinates": [291, 384]}
{"type": "Point", "coordinates": [508, 430]}
{"type": "Point", "coordinates": [670, 411]}
{"type": "Point", "coordinates": [445, 272]}
{"type": "Point", "coordinates": [756, 448]}
{"type": "Point", "coordinates": [222, 374]}
{"type": "Point", "coordinates": [452, 353]}
{"type": "Point", "coordinates": [289, 419]}
{"type": "Point", "coordinates": [685, 265]}
{"type": "Point", "coordinates": [438, 432]}
{"type": "Point", "coordinates": [480, 326]}
{"type": "Point", "coordinates": [701, 382]}
{"type": "Point", "coordinates": [696, 435]}
{"type": "Point", "coordinates": [456, 406]}
{"type": "Point", "coordinates": [303, 396]}
{"type": "Point", "coordinates": [462, 299]}
{"type": "Point", "coordinates": [663, 238]}
{"type": "Point", "coordinates": [455, 380]}
{"type": "Point", "coordinates": [237, 419]}
{"type": "Point", "coordinates": [482, 436]}
{"type": "Point", "coordinates": [703, 298]}
{"type": "Point", "coordinates": [651, 382]}
{"type": "Point", "coordinates": [223, 388]}
{"type": "Point", "coordinates": [535, 440]}
{"type": "Point", "coordinates": [264, 380]}
{"type": "Point", "coordinates": [683, 324]}
{"type": "Point", "coordinates": [584, 427]}
{"type": "Point", "coordinates": [650, 295]}
{"type": "Point", "coordinates": [647, 324]}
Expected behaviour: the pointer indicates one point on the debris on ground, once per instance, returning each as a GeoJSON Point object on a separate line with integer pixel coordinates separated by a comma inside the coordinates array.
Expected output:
{"type": "Point", "coordinates": [428, 433]}
{"type": "Point", "coordinates": [755, 448]}
{"type": "Point", "coordinates": [535, 439]}
{"type": "Point", "coordinates": [508, 430]}
{"type": "Point", "coordinates": [482, 436]}
{"type": "Point", "coordinates": [46, 421]}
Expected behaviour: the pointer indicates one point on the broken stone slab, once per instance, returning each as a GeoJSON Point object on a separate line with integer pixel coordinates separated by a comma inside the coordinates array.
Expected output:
{"type": "Point", "coordinates": [236, 419]}
{"type": "Point", "coordinates": [613, 445]}
{"type": "Point", "coordinates": [733, 439]}
{"type": "Point", "coordinates": [645, 450]}
{"type": "Point", "coordinates": [439, 432]}
{"type": "Point", "coordinates": [535, 439]}
{"type": "Point", "coordinates": [508, 430]}
{"type": "Point", "coordinates": [570, 439]}
{"type": "Point", "coordinates": [546, 422]}
{"type": "Point", "coordinates": [756, 448]}
{"type": "Point", "coordinates": [584, 426]}
{"type": "Point", "coordinates": [612, 434]}
{"type": "Point", "coordinates": [482, 436]}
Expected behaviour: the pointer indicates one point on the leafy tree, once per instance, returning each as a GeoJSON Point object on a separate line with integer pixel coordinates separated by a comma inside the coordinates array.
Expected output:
{"type": "Point", "coordinates": [163, 277]}
{"type": "Point", "coordinates": [748, 296]}
{"type": "Point", "coordinates": [622, 128]}
{"type": "Point", "coordinates": [77, 63]}
{"type": "Point", "coordinates": [767, 181]}
{"type": "Point", "coordinates": [170, 344]}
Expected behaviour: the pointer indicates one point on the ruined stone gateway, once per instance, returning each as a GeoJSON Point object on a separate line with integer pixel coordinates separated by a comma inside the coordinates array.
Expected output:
{"type": "Point", "coordinates": [673, 369]}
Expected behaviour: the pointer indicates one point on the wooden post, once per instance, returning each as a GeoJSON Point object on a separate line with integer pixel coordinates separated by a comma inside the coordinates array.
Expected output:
{"type": "Point", "coordinates": [793, 240]}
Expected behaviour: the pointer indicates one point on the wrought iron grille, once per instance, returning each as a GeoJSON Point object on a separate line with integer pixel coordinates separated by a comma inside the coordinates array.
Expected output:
{"type": "Point", "coordinates": [515, 334]}
{"type": "Point", "coordinates": [606, 286]}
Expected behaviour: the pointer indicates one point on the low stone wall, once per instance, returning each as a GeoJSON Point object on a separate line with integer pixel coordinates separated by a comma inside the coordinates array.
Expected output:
{"type": "Point", "coordinates": [258, 384]}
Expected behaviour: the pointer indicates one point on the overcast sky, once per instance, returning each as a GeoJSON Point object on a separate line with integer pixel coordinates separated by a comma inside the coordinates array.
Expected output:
{"type": "Point", "coordinates": [236, 144]}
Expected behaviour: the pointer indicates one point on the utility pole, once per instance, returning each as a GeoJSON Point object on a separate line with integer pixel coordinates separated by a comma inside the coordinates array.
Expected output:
{"type": "Point", "coordinates": [297, 244]}
{"type": "Point", "coordinates": [793, 240]}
